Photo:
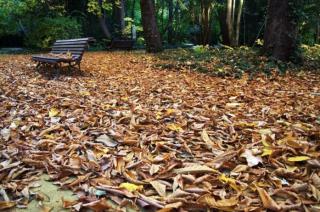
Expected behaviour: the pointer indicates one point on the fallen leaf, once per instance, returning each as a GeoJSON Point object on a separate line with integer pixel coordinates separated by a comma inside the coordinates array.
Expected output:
{"type": "Point", "coordinates": [298, 158]}
{"type": "Point", "coordinates": [107, 140]}
{"type": "Point", "coordinates": [159, 187]}
{"type": "Point", "coordinates": [154, 169]}
{"type": "Point", "coordinates": [6, 205]}
{"type": "Point", "coordinates": [251, 159]}
{"type": "Point", "coordinates": [267, 201]}
{"type": "Point", "coordinates": [233, 105]}
{"type": "Point", "coordinates": [224, 204]}
{"type": "Point", "coordinates": [131, 187]}
{"type": "Point", "coordinates": [5, 133]}
{"type": "Point", "coordinates": [174, 127]}
{"type": "Point", "coordinates": [194, 169]}
{"type": "Point", "coordinates": [53, 112]}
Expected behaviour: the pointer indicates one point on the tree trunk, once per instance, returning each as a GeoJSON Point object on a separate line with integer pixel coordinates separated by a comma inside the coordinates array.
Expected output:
{"type": "Point", "coordinates": [133, 10]}
{"type": "Point", "coordinates": [230, 22]}
{"type": "Point", "coordinates": [102, 22]}
{"type": "Point", "coordinates": [150, 28]}
{"type": "Point", "coordinates": [170, 22]}
{"type": "Point", "coordinates": [205, 21]}
{"type": "Point", "coordinates": [317, 40]}
{"type": "Point", "coordinates": [236, 39]}
{"type": "Point", "coordinates": [119, 15]}
{"type": "Point", "coordinates": [281, 31]}
{"type": "Point", "coordinates": [104, 27]}
{"type": "Point", "coordinates": [224, 27]}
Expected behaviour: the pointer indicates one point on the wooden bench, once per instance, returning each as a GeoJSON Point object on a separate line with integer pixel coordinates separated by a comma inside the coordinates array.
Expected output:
{"type": "Point", "coordinates": [126, 44]}
{"type": "Point", "coordinates": [64, 51]}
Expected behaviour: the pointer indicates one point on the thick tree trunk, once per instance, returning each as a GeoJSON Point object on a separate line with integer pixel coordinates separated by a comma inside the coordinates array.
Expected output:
{"type": "Point", "coordinates": [281, 30]}
{"type": "Point", "coordinates": [150, 28]}
{"type": "Point", "coordinates": [224, 28]}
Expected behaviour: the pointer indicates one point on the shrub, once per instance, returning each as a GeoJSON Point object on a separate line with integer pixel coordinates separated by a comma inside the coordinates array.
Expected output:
{"type": "Point", "coordinates": [45, 31]}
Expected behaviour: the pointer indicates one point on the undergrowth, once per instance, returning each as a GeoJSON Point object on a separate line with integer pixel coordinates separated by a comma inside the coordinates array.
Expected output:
{"type": "Point", "coordinates": [227, 61]}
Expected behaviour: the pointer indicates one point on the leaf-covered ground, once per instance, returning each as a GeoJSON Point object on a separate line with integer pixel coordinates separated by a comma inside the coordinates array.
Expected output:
{"type": "Point", "coordinates": [130, 130]}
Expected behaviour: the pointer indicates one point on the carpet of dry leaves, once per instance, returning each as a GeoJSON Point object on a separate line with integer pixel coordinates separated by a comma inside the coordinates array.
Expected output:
{"type": "Point", "coordinates": [158, 139]}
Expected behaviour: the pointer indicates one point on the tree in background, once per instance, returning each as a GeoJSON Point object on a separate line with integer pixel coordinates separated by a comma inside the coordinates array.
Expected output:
{"type": "Point", "coordinates": [150, 27]}
{"type": "Point", "coordinates": [206, 20]}
{"type": "Point", "coordinates": [280, 38]}
{"type": "Point", "coordinates": [230, 19]}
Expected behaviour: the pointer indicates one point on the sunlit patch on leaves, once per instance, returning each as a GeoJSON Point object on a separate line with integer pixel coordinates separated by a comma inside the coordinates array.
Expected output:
{"type": "Point", "coordinates": [298, 158]}
{"type": "Point", "coordinates": [174, 127]}
{"type": "Point", "coordinates": [53, 112]}
{"type": "Point", "coordinates": [131, 187]}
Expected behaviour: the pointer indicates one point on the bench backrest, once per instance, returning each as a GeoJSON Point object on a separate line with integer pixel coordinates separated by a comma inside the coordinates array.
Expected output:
{"type": "Point", "coordinates": [75, 46]}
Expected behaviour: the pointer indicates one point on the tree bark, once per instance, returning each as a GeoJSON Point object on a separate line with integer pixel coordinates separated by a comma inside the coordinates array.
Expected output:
{"type": "Point", "coordinates": [237, 35]}
{"type": "Point", "coordinates": [104, 27]}
{"type": "Point", "coordinates": [119, 15]}
{"type": "Point", "coordinates": [170, 21]}
{"type": "Point", "coordinates": [232, 22]}
{"type": "Point", "coordinates": [205, 21]}
{"type": "Point", "coordinates": [150, 28]}
{"type": "Point", "coordinates": [102, 22]}
{"type": "Point", "coordinates": [281, 31]}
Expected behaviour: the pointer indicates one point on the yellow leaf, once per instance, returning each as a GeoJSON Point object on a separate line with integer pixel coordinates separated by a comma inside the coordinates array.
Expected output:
{"type": "Point", "coordinates": [49, 136]}
{"type": "Point", "coordinates": [158, 115]}
{"type": "Point", "coordinates": [298, 158]}
{"type": "Point", "coordinates": [265, 131]}
{"type": "Point", "coordinates": [170, 111]}
{"type": "Point", "coordinates": [131, 187]}
{"type": "Point", "coordinates": [53, 112]}
{"type": "Point", "coordinates": [174, 127]}
{"type": "Point", "coordinates": [265, 143]}
{"type": "Point", "coordinates": [266, 151]}
{"type": "Point", "coordinates": [292, 168]}
{"type": "Point", "coordinates": [84, 93]}
{"type": "Point", "coordinates": [232, 182]}
{"type": "Point", "coordinates": [124, 98]}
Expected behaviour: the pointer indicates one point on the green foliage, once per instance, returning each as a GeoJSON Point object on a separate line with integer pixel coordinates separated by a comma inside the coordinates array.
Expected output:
{"type": "Point", "coordinates": [96, 8]}
{"type": "Point", "coordinates": [227, 61]}
{"type": "Point", "coordinates": [47, 30]}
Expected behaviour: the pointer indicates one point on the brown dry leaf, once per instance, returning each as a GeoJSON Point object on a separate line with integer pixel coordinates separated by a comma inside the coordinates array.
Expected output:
{"type": "Point", "coordinates": [267, 201]}
{"type": "Point", "coordinates": [224, 204]}
{"type": "Point", "coordinates": [159, 187]}
{"type": "Point", "coordinates": [123, 119]}
{"type": "Point", "coordinates": [6, 205]}
{"type": "Point", "coordinates": [195, 168]}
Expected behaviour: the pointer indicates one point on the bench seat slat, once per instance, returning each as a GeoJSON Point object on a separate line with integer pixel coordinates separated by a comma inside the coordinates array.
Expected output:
{"type": "Point", "coordinates": [75, 40]}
